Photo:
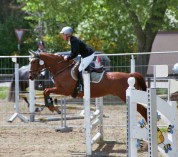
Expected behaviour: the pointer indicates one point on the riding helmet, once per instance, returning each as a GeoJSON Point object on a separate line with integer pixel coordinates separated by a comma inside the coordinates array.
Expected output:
{"type": "Point", "coordinates": [67, 30]}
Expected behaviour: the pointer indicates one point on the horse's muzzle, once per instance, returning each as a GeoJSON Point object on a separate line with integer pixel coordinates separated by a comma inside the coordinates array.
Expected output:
{"type": "Point", "coordinates": [31, 77]}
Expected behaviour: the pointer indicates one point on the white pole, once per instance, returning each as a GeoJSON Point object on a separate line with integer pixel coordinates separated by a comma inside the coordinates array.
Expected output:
{"type": "Point", "coordinates": [63, 108]}
{"type": "Point", "coordinates": [32, 100]}
{"type": "Point", "coordinates": [17, 87]}
{"type": "Point", "coordinates": [132, 68]}
{"type": "Point", "coordinates": [154, 75]}
{"type": "Point", "coordinates": [169, 91]}
{"type": "Point", "coordinates": [152, 123]}
{"type": "Point", "coordinates": [62, 113]}
{"type": "Point", "coordinates": [131, 119]}
{"type": "Point", "coordinates": [86, 78]}
{"type": "Point", "coordinates": [99, 106]}
{"type": "Point", "coordinates": [64, 104]}
{"type": "Point", "coordinates": [17, 114]}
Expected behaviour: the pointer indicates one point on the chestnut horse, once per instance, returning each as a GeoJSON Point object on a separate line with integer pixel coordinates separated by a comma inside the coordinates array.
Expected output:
{"type": "Point", "coordinates": [112, 83]}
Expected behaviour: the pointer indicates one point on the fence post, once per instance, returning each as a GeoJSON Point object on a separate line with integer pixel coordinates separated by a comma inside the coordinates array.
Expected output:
{"type": "Point", "coordinates": [131, 119]}
{"type": "Point", "coordinates": [17, 114]}
{"type": "Point", "coordinates": [32, 100]}
{"type": "Point", "coordinates": [132, 68]}
{"type": "Point", "coordinates": [99, 106]}
{"type": "Point", "coordinates": [17, 87]}
{"type": "Point", "coordinates": [64, 127]}
{"type": "Point", "coordinates": [86, 97]}
{"type": "Point", "coordinates": [152, 122]}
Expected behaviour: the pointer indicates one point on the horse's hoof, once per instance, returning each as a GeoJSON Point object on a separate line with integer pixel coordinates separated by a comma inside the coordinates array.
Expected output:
{"type": "Point", "coordinates": [39, 109]}
{"type": "Point", "coordinates": [59, 112]}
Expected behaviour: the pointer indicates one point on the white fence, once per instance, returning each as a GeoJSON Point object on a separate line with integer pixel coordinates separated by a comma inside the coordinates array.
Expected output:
{"type": "Point", "coordinates": [119, 62]}
{"type": "Point", "coordinates": [151, 132]}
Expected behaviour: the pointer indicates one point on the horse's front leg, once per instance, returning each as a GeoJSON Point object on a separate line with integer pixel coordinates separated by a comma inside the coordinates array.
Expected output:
{"type": "Point", "coordinates": [48, 91]}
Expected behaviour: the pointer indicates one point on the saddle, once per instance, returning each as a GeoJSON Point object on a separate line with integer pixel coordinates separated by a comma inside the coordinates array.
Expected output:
{"type": "Point", "coordinates": [93, 68]}
{"type": "Point", "coordinates": [96, 74]}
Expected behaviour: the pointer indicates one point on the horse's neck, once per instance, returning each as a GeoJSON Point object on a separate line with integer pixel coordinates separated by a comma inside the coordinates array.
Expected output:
{"type": "Point", "coordinates": [55, 64]}
{"type": "Point", "coordinates": [50, 62]}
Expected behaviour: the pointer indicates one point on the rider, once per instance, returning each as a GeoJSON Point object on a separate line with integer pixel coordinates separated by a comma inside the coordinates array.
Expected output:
{"type": "Point", "coordinates": [78, 47]}
{"type": "Point", "coordinates": [41, 46]}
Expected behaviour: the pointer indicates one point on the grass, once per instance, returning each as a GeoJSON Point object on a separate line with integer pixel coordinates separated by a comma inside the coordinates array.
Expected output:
{"type": "Point", "coordinates": [163, 129]}
{"type": "Point", "coordinates": [4, 92]}
{"type": "Point", "coordinates": [161, 91]}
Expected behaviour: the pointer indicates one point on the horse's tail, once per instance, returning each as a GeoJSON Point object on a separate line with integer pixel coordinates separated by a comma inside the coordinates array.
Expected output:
{"type": "Point", "coordinates": [11, 96]}
{"type": "Point", "coordinates": [140, 81]}
{"type": "Point", "coordinates": [140, 85]}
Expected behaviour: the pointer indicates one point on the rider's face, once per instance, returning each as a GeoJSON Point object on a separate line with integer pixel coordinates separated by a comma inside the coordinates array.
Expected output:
{"type": "Point", "coordinates": [65, 37]}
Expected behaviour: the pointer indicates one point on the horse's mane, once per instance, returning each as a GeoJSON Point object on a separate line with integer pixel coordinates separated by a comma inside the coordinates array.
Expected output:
{"type": "Point", "coordinates": [56, 57]}
{"type": "Point", "coordinates": [51, 55]}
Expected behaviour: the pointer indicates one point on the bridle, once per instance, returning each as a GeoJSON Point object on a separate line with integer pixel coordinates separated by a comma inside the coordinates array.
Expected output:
{"type": "Point", "coordinates": [36, 71]}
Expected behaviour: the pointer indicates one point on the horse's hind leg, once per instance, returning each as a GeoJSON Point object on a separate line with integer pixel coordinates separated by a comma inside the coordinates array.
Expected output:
{"type": "Point", "coordinates": [25, 99]}
{"type": "Point", "coordinates": [142, 110]}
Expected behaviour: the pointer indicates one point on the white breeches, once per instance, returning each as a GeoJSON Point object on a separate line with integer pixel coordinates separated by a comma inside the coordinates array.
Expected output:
{"type": "Point", "coordinates": [85, 62]}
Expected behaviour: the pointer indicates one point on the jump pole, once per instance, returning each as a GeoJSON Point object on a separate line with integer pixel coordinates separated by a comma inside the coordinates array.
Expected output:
{"type": "Point", "coordinates": [132, 63]}
{"type": "Point", "coordinates": [93, 120]}
{"type": "Point", "coordinates": [87, 122]}
{"type": "Point", "coordinates": [61, 103]}
{"type": "Point", "coordinates": [32, 100]}
{"type": "Point", "coordinates": [17, 114]}
{"type": "Point", "coordinates": [64, 127]}
{"type": "Point", "coordinates": [99, 106]}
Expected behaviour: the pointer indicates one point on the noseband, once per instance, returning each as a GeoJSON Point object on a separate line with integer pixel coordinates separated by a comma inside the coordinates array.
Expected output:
{"type": "Point", "coordinates": [36, 71]}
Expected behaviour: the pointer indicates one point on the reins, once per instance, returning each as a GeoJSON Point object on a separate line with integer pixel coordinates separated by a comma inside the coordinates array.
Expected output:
{"type": "Point", "coordinates": [60, 71]}
{"type": "Point", "coordinates": [63, 69]}
{"type": "Point", "coordinates": [55, 64]}
{"type": "Point", "coordinates": [51, 66]}
{"type": "Point", "coordinates": [45, 67]}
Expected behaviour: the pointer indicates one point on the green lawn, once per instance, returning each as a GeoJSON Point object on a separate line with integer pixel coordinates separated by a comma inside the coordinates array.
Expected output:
{"type": "Point", "coordinates": [4, 92]}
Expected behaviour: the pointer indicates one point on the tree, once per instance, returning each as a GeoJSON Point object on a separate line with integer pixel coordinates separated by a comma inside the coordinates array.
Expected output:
{"type": "Point", "coordinates": [11, 18]}
{"type": "Point", "coordinates": [114, 26]}
{"type": "Point", "coordinates": [137, 21]}
{"type": "Point", "coordinates": [146, 29]}
{"type": "Point", "coordinates": [96, 22]}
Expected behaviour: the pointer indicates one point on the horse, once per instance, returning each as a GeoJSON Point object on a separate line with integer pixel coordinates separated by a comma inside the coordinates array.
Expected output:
{"type": "Point", "coordinates": [24, 83]}
{"type": "Point", "coordinates": [112, 83]}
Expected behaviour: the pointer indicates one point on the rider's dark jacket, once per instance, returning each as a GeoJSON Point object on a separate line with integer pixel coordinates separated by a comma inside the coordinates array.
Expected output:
{"type": "Point", "coordinates": [79, 47]}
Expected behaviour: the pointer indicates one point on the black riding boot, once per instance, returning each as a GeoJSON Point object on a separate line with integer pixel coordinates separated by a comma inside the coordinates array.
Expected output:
{"type": "Point", "coordinates": [80, 82]}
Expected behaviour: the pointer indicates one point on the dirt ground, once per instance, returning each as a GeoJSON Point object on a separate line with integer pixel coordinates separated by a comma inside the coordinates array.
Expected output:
{"type": "Point", "coordinates": [39, 139]}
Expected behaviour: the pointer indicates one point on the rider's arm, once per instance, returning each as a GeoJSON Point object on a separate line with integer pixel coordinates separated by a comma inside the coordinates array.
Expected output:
{"type": "Point", "coordinates": [74, 49]}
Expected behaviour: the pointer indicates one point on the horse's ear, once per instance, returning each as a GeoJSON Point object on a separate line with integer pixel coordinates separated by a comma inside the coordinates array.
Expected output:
{"type": "Point", "coordinates": [34, 54]}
